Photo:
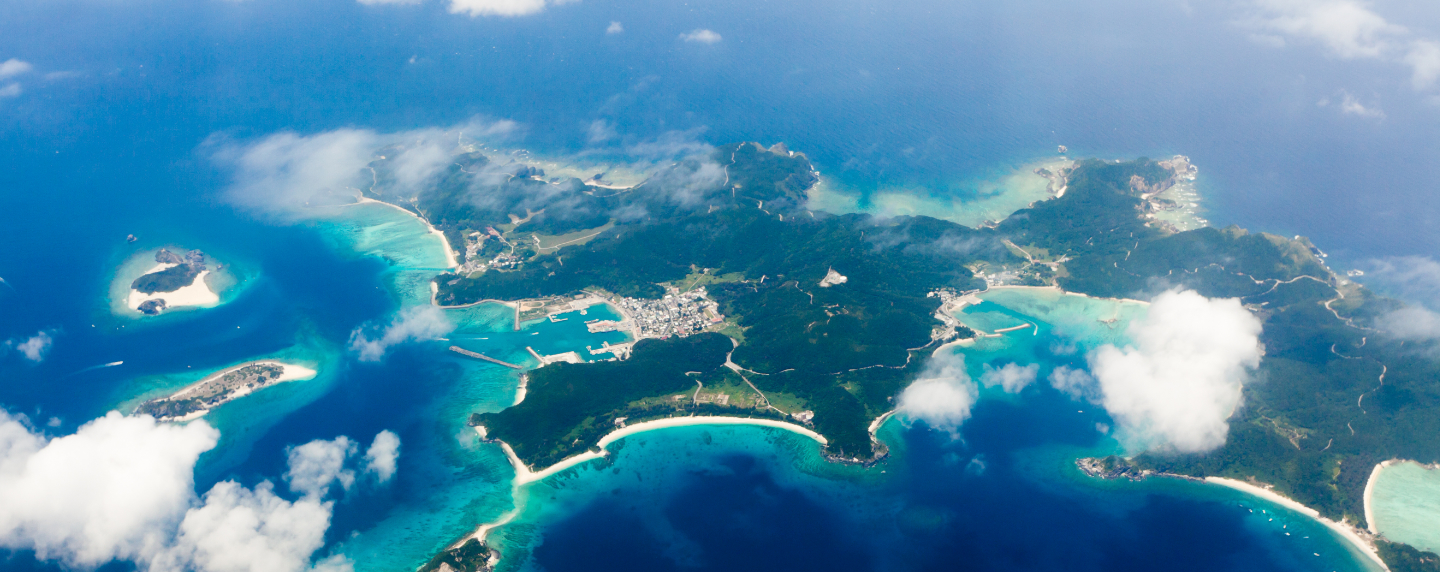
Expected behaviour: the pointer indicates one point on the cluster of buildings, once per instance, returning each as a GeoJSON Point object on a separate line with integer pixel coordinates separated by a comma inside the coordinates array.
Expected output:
{"type": "Point", "coordinates": [475, 244]}
{"type": "Point", "coordinates": [677, 314]}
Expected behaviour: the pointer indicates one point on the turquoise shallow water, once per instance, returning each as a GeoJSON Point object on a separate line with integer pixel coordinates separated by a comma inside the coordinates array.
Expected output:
{"type": "Point", "coordinates": [1405, 502]}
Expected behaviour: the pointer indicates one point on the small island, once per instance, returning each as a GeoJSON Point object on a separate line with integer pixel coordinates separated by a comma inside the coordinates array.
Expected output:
{"type": "Point", "coordinates": [177, 280]}
{"type": "Point", "coordinates": [217, 389]}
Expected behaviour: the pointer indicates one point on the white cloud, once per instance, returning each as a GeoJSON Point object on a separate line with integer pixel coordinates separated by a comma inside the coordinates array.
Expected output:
{"type": "Point", "coordinates": [11, 90]}
{"type": "Point", "coordinates": [317, 465]}
{"type": "Point", "coordinates": [393, 2]}
{"type": "Point", "coordinates": [1349, 105]}
{"type": "Point", "coordinates": [284, 172]}
{"type": "Point", "coordinates": [614, 28]}
{"type": "Point", "coordinates": [32, 348]}
{"type": "Point", "coordinates": [113, 490]}
{"type": "Point", "coordinates": [1412, 323]}
{"type": "Point", "coordinates": [13, 67]}
{"type": "Point", "coordinates": [238, 529]}
{"type": "Point", "coordinates": [701, 36]}
{"type": "Point", "coordinates": [943, 394]}
{"type": "Point", "coordinates": [121, 488]}
{"type": "Point", "coordinates": [412, 324]}
{"type": "Point", "coordinates": [1076, 383]}
{"type": "Point", "coordinates": [600, 131]}
{"type": "Point", "coordinates": [380, 458]}
{"type": "Point", "coordinates": [1348, 29]}
{"type": "Point", "coordinates": [1012, 377]}
{"type": "Point", "coordinates": [504, 8]}
{"type": "Point", "coordinates": [1176, 387]}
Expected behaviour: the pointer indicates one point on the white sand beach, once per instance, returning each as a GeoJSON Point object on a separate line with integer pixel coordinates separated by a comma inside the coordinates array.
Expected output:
{"type": "Point", "coordinates": [1345, 531]}
{"type": "Point", "coordinates": [198, 293]}
{"type": "Point", "coordinates": [290, 372]}
{"type": "Point", "coordinates": [450, 260]}
{"type": "Point", "coordinates": [1370, 492]}
{"type": "Point", "coordinates": [524, 476]}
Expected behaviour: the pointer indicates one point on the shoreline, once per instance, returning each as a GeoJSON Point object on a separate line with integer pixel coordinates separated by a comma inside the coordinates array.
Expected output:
{"type": "Point", "coordinates": [290, 372]}
{"type": "Point", "coordinates": [1370, 489]}
{"type": "Point", "coordinates": [1349, 533]}
{"type": "Point", "coordinates": [450, 259]}
{"type": "Point", "coordinates": [524, 476]}
{"type": "Point", "coordinates": [197, 293]}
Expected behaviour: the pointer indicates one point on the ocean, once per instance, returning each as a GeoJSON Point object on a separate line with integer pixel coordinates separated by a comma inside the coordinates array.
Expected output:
{"type": "Point", "coordinates": [115, 130]}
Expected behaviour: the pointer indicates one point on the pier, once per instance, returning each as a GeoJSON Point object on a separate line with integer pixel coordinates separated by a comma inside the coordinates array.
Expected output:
{"type": "Point", "coordinates": [465, 352]}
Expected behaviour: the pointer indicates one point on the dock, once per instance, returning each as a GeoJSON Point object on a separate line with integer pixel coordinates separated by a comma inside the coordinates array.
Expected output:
{"type": "Point", "coordinates": [465, 352]}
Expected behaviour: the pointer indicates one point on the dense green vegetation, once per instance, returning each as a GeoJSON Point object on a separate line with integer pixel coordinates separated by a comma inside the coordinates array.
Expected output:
{"type": "Point", "coordinates": [1303, 426]}
{"type": "Point", "coordinates": [568, 407]}
{"type": "Point", "coordinates": [1405, 558]}
{"type": "Point", "coordinates": [472, 556]}
{"type": "Point", "coordinates": [167, 280]}
{"type": "Point", "coordinates": [848, 350]}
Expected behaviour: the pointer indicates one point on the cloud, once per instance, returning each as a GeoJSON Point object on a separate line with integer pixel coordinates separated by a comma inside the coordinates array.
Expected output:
{"type": "Point", "coordinates": [285, 172]}
{"type": "Point", "coordinates": [412, 324]}
{"type": "Point", "coordinates": [600, 131]}
{"type": "Point", "coordinates": [113, 490]}
{"type": "Point", "coordinates": [380, 458]}
{"type": "Point", "coordinates": [1348, 29]}
{"type": "Point", "coordinates": [614, 28]}
{"type": "Point", "coordinates": [121, 488]}
{"type": "Point", "coordinates": [34, 347]}
{"type": "Point", "coordinates": [701, 36]}
{"type": "Point", "coordinates": [317, 465]}
{"type": "Point", "coordinates": [1415, 279]}
{"type": "Point", "coordinates": [943, 394]}
{"type": "Point", "coordinates": [503, 8]}
{"type": "Point", "coordinates": [1350, 105]}
{"type": "Point", "coordinates": [392, 2]}
{"type": "Point", "coordinates": [1013, 377]}
{"type": "Point", "coordinates": [11, 90]}
{"type": "Point", "coordinates": [1176, 387]}
{"type": "Point", "coordinates": [13, 67]}
{"type": "Point", "coordinates": [239, 529]}
{"type": "Point", "coordinates": [1076, 383]}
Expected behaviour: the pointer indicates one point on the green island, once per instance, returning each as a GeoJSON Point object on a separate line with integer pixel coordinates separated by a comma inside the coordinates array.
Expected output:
{"type": "Point", "coordinates": [824, 319]}
{"type": "Point", "coordinates": [180, 274]}
{"type": "Point", "coordinates": [220, 388]}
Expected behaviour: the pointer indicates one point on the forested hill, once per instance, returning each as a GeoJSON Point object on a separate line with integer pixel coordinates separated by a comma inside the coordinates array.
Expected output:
{"type": "Point", "coordinates": [737, 222]}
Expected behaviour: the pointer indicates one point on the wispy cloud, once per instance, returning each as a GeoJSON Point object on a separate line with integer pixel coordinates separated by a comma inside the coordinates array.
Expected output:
{"type": "Point", "coordinates": [1012, 377]}
{"type": "Point", "coordinates": [701, 36]}
{"type": "Point", "coordinates": [412, 324]}
{"type": "Point", "coordinates": [1347, 29]}
{"type": "Point", "coordinates": [502, 8]}
{"type": "Point", "coordinates": [285, 172]}
{"type": "Point", "coordinates": [614, 28]}
{"type": "Point", "coordinates": [33, 348]}
{"type": "Point", "coordinates": [13, 67]}
{"type": "Point", "coordinates": [1351, 105]}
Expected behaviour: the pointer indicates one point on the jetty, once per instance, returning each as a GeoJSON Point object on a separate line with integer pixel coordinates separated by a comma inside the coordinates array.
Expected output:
{"type": "Point", "coordinates": [476, 355]}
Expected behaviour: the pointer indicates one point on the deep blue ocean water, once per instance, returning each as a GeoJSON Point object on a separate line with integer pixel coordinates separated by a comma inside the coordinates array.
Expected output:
{"type": "Point", "coordinates": [937, 94]}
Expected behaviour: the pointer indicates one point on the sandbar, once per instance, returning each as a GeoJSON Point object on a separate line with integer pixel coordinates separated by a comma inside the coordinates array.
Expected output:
{"type": "Point", "coordinates": [1345, 531]}
{"type": "Point", "coordinates": [198, 293]}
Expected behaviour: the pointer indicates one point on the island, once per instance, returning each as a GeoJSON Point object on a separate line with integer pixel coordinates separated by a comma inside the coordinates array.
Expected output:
{"type": "Point", "coordinates": [744, 302]}
{"type": "Point", "coordinates": [197, 399]}
{"type": "Point", "coordinates": [176, 280]}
